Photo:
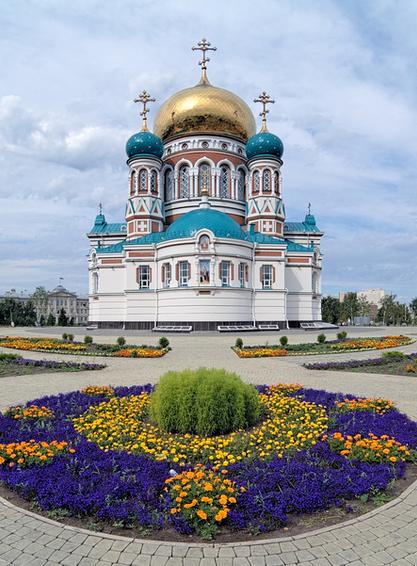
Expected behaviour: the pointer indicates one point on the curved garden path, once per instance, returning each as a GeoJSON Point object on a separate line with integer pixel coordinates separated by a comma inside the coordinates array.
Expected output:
{"type": "Point", "coordinates": [387, 535]}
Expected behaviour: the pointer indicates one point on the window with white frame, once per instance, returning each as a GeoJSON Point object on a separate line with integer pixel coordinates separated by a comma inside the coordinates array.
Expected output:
{"type": "Point", "coordinates": [184, 273]}
{"type": "Point", "coordinates": [143, 180]}
{"type": "Point", "coordinates": [166, 275]}
{"type": "Point", "coordinates": [266, 181]}
{"type": "Point", "coordinates": [266, 276]}
{"type": "Point", "coordinates": [184, 182]}
{"type": "Point", "coordinates": [256, 181]}
{"type": "Point", "coordinates": [154, 182]}
{"type": "Point", "coordinates": [169, 184]}
{"type": "Point", "coordinates": [144, 276]}
{"type": "Point", "coordinates": [224, 181]}
{"type": "Point", "coordinates": [243, 274]}
{"type": "Point", "coordinates": [225, 273]}
{"type": "Point", "coordinates": [204, 174]}
{"type": "Point", "coordinates": [241, 185]}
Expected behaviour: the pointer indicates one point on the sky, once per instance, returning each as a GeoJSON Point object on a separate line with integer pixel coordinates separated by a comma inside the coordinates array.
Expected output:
{"type": "Point", "coordinates": [342, 73]}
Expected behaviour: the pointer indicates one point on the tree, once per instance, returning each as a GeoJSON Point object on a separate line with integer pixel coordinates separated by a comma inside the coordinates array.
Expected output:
{"type": "Point", "coordinates": [364, 306]}
{"type": "Point", "coordinates": [40, 301]}
{"type": "Point", "coordinates": [413, 307]}
{"type": "Point", "coordinates": [349, 307]}
{"type": "Point", "coordinates": [388, 313]}
{"type": "Point", "coordinates": [62, 318]}
{"type": "Point", "coordinates": [17, 312]}
{"type": "Point", "coordinates": [42, 320]}
{"type": "Point", "coordinates": [330, 309]}
{"type": "Point", "coordinates": [50, 321]}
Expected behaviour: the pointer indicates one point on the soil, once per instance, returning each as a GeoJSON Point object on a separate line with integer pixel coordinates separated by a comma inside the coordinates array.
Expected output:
{"type": "Point", "coordinates": [298, 524]}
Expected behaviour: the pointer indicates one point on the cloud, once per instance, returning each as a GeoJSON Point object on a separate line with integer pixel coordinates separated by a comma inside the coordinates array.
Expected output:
{"type": "Point", "coordinates": [342, 75]}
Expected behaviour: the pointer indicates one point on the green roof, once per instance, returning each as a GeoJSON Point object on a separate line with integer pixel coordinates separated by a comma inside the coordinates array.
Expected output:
{"type": "Point", "coordinates": [303, 227]}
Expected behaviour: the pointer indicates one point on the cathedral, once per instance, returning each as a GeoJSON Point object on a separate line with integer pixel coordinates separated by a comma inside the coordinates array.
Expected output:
{"type": "Point", "coordinates": [205, 244]}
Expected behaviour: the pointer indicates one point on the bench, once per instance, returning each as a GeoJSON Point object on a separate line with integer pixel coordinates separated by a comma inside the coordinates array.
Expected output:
{"type": "Point", "coordinates": [236, 328]}
{"type": "Point", "coordinates": [268, 326]}
{"type": "Point", "coordinates": [317, 326]}
{"type": "Point", "coordinates": [92, 327]}
{"type": "Point", "coordinates": [172, 328]}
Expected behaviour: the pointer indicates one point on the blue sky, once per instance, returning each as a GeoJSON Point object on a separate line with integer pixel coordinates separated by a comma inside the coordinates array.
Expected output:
{"type": "Point", "coordinates": [343, 74]}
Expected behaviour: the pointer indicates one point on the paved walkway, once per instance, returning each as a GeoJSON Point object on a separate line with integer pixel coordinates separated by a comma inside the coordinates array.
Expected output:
{"type": "Point", "coordinates": [388, 535]}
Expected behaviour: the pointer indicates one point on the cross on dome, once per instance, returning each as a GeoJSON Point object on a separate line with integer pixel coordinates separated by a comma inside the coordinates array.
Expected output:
{"type": "Point", "coordinates": [264, 99]}
{"type": "Point", "coordinates": [203, 46]}
{"type": "Point", "coordinates": [144, 97]}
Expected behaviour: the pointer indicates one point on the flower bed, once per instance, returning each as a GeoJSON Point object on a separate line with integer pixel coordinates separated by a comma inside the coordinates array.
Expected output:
{"type": "Point", "coordinates": [396, 365]}
{"type": "Point", "coordinates": [95, 454]}
{"type": "Point", "coordinates": [54, 345]}
{"type": "Point", "coordinates": [330, 347]}
{"type": "Point", "coordinates": [12, 364]}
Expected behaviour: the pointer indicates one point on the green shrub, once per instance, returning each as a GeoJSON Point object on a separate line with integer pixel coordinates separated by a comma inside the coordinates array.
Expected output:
{"type": "Point", "coordinates": [70, 337]}
{"type": "Point", "coordinates": [342, 335]}
{"type": "Point", "coordinates": [134, 354]}
{"type": "Point", "coordinates": [88, 340]}
{"type": "Point", "coordinates": [121, 341]}
{"type": "Point", "coordinates": [65, 336]}
{"type": "Point", "coordinates": [321, 338]}
{"type": "Point", "coordinates": [8, 357]}
{"type": "Point", "coordinates": [393, 356]}
{"type": "Point", "coordinates": [164, 342]}
{"type": "Point", "coordinates": [239, 343]}
{"type": "Point", "coordinates": [283, 341]}
{"type": "Point", "coordinates": [205, 402]}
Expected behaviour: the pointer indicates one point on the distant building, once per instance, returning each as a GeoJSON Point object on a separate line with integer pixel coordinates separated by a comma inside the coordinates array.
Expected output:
{"type": "Point", "coordinates": [76, 308]}
{"type": "Point", "coordinates": [373, 296]}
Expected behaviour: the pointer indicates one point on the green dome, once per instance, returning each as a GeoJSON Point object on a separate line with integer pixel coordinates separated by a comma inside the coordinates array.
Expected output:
{"type": "Point", "coordinates": [264, 144]}
{"type": "Point", "coordinates": [222, 225]}
{"type": "Point", "coordinates": [144, 143]}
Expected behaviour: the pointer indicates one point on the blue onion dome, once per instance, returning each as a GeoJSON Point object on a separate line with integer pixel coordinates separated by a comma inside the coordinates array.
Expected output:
{"type": "Point", "coordinates": [144, 143]}
{"type": "Point", "coordinates": [264, 144]}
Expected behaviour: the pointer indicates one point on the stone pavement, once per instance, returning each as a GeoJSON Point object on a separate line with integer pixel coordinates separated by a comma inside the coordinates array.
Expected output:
{"type": "Point", "coordinates": [387, 535]}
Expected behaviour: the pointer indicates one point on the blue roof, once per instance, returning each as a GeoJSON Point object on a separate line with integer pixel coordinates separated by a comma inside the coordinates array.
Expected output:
{"type": "Point", "coordinates": [219, 223]}
{"type": "Point", "coordinates": [144, 143]}
{"type": "Point", "coordinates": [303, 227]}
{"type": "Point", "coordinates": [264, 144]}
{"type": "Point", "coordinates": [102, 227]}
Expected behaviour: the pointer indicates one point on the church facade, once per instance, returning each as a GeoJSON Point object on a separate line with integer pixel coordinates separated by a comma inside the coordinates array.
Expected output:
{"type": "Point", "coordinates": [205, 241]}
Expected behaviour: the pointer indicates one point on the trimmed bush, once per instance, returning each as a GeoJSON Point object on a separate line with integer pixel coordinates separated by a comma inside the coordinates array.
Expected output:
{"type": "Point", "coordinates": [65, 336]}
{"type": "Point", "coordinates": [88, 340]}
{"type": "Point", "coordinates": [70, 337]}
{"type": "Point", "coordinates": [283, 341]}
{"type": "Point", "coordinates": [206, 402]}
{"type": "Point", "coordinates": [239, 343]}
{"type": "Point", "coordinates": [321, 338]}
{"type": "Point", "coordinates": [393, 356]}
{"type": "Point", "coordinates": [121, 341]}
{"type": "Point", "coordinates": [8, 357]}
{"type": "Point", "coordinates": [342, 335]}
{"type": "Point", "coordinates": [164, 342]}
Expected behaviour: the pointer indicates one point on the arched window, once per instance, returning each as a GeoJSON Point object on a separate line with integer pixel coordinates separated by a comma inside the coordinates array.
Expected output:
{"type": "Point", "coordinates": [276, 183]}
{"type": "Point", "coordinates": [241, 181]}
{"type": "Point", "coordinates": [154, 182]}
{"type": "Point", "coordinates": [169, 184]}
{"type": "Point", "coordinates": [266, 181]}
{"type": "Point", "coordinates": [133, 183]}
{"type": "Point", "coordinates": [224, 181]}
{"type": "Point", "coordinates": [143, 181]}
{"type": "Point", "coordinates": [256, 181]}
{"type": "Point", "coordinates": [204, 174]}
{"type": "Point", "coordinates": [204, 242]}
{"type": "Point", "coordinates": [184, 182]}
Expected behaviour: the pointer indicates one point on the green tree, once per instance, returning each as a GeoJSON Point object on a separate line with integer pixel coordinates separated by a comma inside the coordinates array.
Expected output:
{"type": "Point", "coordinates": [364, 306]}
{"type": "Point", "coordinates": [413, 308]}
{"type": "Point", "coordinates": [349, 307]}
{"type": "Point", "coordinates": [50, 321]}
{"type": "Point", "coordinates": [330, 309]}
{"type": "Point", "coordinates": [62, 318]}
{"type": "Point", "coordinates": [40, 302]}
{"type": "Point", "coordinates": [42, 320]}
{"type": "Point", "coordinates": [388, 312]}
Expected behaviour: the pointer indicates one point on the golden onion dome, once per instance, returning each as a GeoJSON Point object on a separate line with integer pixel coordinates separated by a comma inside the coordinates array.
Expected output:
{"type": "Point", "coordinates": [207, 109]}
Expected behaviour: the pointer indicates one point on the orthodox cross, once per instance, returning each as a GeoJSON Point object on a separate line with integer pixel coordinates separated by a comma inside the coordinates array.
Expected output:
{"type": "Point", "coordinates": [203, 46]}
{"type": "Point", "coordinates": [100, 208]}
{"type": "Point", "coordinates": [264, 99]}
{"type": "Point", "coordinates": [144, 97]}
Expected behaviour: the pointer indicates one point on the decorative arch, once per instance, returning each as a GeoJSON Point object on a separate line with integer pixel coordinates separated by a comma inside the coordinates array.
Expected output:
{"type": "Point", "coordinates": [225, 181]}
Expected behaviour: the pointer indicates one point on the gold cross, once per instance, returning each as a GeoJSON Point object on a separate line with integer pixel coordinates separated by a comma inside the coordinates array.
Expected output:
{"type": "Point", "coordinates": [264, 99]}
{"type": "Point", "coordinates": [144, 97]}
{"type": "Point", "coordinates": [204, 46]}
